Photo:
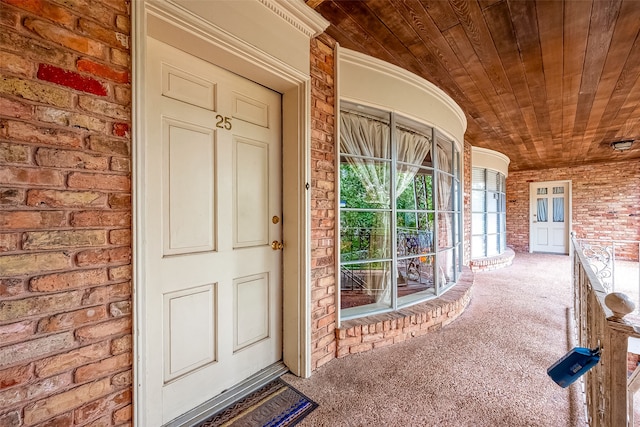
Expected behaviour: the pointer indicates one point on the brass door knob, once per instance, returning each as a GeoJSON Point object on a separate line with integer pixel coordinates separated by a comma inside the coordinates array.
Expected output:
{"type": "Point", "coordinates": [276, 246]}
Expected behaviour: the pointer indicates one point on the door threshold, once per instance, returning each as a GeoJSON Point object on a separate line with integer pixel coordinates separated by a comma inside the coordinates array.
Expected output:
{"type": "Point", "coordinates": [226, 398]}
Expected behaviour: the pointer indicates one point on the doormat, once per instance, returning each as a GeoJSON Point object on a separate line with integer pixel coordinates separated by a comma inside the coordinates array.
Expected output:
{"type": "Point", "coordinates": [275, 404]}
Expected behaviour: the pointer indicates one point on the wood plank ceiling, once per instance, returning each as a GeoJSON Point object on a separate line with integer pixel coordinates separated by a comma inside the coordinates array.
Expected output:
{"type": "Point", "coordinates": [548, 83]}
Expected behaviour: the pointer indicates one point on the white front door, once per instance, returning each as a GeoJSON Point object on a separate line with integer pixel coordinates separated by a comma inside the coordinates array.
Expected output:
{"type": "Point", "coordinates": [212, 203]}
{"type": "Point", "coordinates": [550, 217]}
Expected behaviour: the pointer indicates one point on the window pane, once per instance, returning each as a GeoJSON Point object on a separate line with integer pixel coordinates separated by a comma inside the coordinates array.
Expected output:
{"type": "Point", "coordinates": [364, 236]}
{"type": "Point", "coordinates": [367, 284]}
{"type": "Point", "coordinates": [364, 183]}
{"type": "Point", "coordinates": [492, 201]}
{"type": "Point", "coordinates": [492, 245]}
{"type": "Point", "coordinates": [445, 267]}
{"type": "Point", "coordinates": [477, 200]}
{"type": "Point", "coordinates": [445, 230]}
{"type": "Point", "coordinates": [542, 191]}
{"type": "Point", "coordinates": [444, 192]}
{"type": "Point", "coordinates": [558, 190]}
{"type": "Point", "coordinates": [542, 210]}
{"type": "Point", "coordinates": [443, 153]}
{"type": "Point", "coordinates": [492, 223]}
{"type": "Point", "coordinates": [418, 193]}
{"type": "Point", "coordinates": [415, 275]}
{"type": "Point", "coordinates": [414, 147]}
{"type": "Point", "coordinates": [503, 224]}
{"type": "Point", "coordinates": [558, 209]}
{"type": "Point", "coordinates": [477, 179]}
{"type": "Point", "coordinates": [414, 233]}
{"type": "Point", "coordinates": [478, 246]}
{"type": "Point", "coordinates": [492, 180]}
{"type": "Point", "coordinates": [478, 225]}
{"type": "Point", "coordinates": [366, 136]}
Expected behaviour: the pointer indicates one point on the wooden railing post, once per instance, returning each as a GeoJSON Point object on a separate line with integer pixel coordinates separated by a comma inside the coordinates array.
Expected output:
{"type": "Point", "coordinates": [618, 379]}
{"type": "Point", "coordinates": [599, 319]}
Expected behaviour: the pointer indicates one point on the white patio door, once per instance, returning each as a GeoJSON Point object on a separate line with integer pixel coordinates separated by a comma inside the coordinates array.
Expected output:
{"type": "Point", "coordinates": [212, 203]}
{"type": "Point", "coordinates": [550, 217]}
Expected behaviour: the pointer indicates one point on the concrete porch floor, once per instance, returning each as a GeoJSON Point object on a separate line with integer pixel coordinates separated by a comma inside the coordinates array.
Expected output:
{"type": "Point", "coordinates": [488, 368]}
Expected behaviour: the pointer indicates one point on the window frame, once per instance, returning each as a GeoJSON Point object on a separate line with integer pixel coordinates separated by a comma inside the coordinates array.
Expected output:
{"type": "Point", "coordinates": [455, 211]}
{"type": "Point", "coordinates": [500, 233]}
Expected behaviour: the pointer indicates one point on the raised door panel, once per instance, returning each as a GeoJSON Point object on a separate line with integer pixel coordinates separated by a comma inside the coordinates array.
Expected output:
{"type": "Point", "coordinates": [186, 87]}
{"type": "Point", "coordinates": [189, 181]}
{"type": "Point", "coordinates": [190, 322]}
{"type": "Point", "coordinates": [251, 301]}
{"type": "Point", "coordinates": [251, 198]}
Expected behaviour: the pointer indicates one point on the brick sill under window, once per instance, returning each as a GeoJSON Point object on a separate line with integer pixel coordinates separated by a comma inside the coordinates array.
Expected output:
{"type": "Point", "coordinates": [380, 330]}
{"type": "Point", "coordinates": [493, 263]}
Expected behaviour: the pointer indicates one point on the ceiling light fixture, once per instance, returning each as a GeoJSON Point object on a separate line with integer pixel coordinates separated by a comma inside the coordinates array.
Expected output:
{"type": "Point", "coordinates": [623, 145]}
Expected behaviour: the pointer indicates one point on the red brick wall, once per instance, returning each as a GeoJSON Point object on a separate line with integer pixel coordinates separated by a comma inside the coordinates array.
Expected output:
{"type": "Point", "coordinates": [605, 197]}
{"type": "Point", "coordinates": [323, 227]}
{"type": "Point", "coordinates": [65, 213]}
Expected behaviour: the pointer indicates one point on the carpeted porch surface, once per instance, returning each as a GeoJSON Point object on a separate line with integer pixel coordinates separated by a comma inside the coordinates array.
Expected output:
{"type": "Point", "coordinates": [488, 368]}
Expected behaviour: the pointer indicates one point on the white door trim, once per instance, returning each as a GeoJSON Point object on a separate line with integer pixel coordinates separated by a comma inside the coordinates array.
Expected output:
{"type": "Point", "coordinates": [570, 208]}
{"type": "Point", "coordinates": [187, 31]}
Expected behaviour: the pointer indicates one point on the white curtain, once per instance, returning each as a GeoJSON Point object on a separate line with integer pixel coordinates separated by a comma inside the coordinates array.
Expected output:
{"type": "Point", "coordinates": [444, 181]}
{"type": "Point", "coordinates": [542, 210]}
{"type": "Point", "coordinates": [558, 209]}
{"type": "Point", "coordinates": [445, 228]}
{"type": "Point", "coordinates": [411, 148]}
{"type": "Point", "coordinates": [368, 137]}
{"type": "Point", "coordinates": [362, 136]}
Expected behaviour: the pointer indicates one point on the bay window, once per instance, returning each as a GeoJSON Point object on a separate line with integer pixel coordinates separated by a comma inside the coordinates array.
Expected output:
{"type": "Point", "coordinates": [400, 211]}
{"type": "Point", "coordinates": [488, 217]}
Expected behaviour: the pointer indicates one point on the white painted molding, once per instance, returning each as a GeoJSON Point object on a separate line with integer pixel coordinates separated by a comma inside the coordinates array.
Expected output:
{"type": "Point", "coordinates": [138, 55]}
{"type": "Point", "coordinates": [298, 14]}
{"type": "Point", "coordinates": [276, 29]}
{"type": "Point", "coordinates": [432, 100]}
{"type": "Point", "coordinates": [165, 15]}
{"type": "Point", "coordinates": [489, 159]}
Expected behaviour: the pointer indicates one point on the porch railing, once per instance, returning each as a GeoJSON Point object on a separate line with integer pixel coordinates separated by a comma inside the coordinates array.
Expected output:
{"type": "Point", "coordinates": [600, 323]}
{"type": "Point", "coordinates": [616, 264]}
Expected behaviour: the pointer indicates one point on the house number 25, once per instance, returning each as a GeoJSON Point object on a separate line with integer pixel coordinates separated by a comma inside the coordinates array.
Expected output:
{"type": "Point", "coordinates": [223, 122]}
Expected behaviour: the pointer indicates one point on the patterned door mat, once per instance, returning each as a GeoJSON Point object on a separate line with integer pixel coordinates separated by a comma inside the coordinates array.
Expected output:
{"type": "Point", "coordinates": [275, 404]}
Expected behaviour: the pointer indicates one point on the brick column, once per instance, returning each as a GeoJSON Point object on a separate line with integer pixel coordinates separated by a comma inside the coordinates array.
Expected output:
{"type": "Point", "coordinates": [323, 227]}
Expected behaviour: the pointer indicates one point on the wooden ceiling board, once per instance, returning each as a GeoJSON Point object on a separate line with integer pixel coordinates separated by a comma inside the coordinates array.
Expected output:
{"type": "Point", "coordinates": [525, 22]}
{"type": "Point", "coordinates": [550, 18]}
{"type": "Point", "coordinates": [620, 119]}
{"type": "Point", "coordinates": [441, 13]}
{"type": "Point", "coordinates": [352, 32]}
{"type": "Point", "coordinates": [525, 124]}
{"type": "Point", "coordinates": [577, 16]}
{"type": "Point", "coordinates": [617, 84]}
{"type": "Point", "coordinates": [603, 19]}
{"type": "Point", "coordinates": [476, 73]}
{"type": "Point", "coordinates": [549, 83]}
{"type": "Point", "coordinates": [422, 61]}
{"type": "Point", "coordinates": [487, 3]}
{"type": "Point", "coordinates": [372, 24]}
{"type": "Point", "coordinates": [430, 39]}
